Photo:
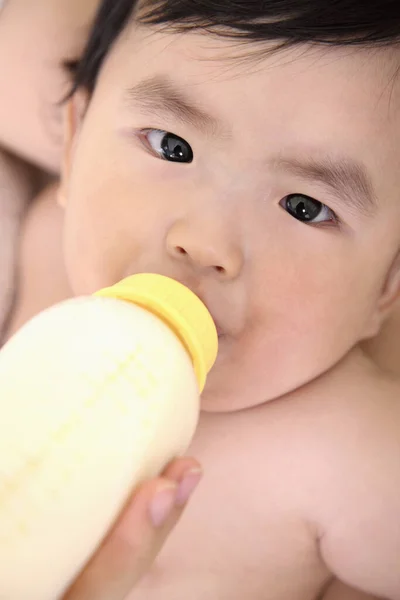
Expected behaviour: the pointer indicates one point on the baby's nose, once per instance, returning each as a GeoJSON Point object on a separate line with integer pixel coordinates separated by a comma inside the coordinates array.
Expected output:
{"type": "Point", "coordinates": [201, 246]}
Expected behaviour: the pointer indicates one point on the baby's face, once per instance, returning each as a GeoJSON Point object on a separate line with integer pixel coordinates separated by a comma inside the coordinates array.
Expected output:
{"type": "Point", "coordinates": [269, 187]}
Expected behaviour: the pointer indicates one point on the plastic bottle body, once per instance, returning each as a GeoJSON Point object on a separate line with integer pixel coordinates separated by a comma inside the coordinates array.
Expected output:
{"type": "Point", "coordinates": [96, 395]}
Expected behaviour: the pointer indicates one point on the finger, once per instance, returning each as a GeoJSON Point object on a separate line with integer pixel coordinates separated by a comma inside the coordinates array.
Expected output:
{"type": "Point", "coordinates": [177, 469]}
{"type": "Point", "coordinates": [136, 539]}
{"type": "Point", "coordinates": [186, 472]}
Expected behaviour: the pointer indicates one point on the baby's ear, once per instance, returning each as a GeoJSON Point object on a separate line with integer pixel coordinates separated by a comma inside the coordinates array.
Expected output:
{"type": "Point", "coordinates": [389, 295]}
{"type": "Point", "coordinates": [73, 115]}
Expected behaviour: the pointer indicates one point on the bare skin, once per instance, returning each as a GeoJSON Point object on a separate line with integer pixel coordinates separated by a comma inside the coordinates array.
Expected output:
{"type": "Point", "coordinates": [35, 39]}
{"type": "Point", "coordinates": [18, 184]}
{"type": "Point", "coordinates": [260, 523]}
{"type": "Point", "coordinates": [260, 519]}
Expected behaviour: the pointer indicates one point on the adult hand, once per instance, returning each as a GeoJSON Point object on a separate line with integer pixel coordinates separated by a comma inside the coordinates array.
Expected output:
{"type": "Point", "coordinates": [138, 536]}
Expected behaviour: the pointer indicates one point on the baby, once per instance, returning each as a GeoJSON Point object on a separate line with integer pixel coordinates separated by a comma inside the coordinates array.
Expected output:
{"type": "Point", "coordinates": [265, 177]}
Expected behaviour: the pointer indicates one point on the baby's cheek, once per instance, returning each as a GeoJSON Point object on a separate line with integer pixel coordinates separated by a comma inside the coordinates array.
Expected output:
{"type": "Point", "coordinates": [295, 345]}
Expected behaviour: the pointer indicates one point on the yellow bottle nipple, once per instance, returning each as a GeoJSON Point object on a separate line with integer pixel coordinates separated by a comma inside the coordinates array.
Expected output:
{"type": "Point", "coordinates": [180, 308]}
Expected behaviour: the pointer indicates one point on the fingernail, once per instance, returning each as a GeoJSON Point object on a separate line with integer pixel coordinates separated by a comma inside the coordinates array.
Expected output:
{"type": "Point", "coordinates": [162, 505]}
{"type": "Point", "coordinates": [187, 486]}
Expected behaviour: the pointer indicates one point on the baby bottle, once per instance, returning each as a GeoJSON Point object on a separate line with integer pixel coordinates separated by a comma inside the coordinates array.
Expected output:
{"type": "Point", "coordinates": [97, 394]}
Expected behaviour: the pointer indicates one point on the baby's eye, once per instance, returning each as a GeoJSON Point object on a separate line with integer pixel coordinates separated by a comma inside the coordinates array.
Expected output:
{"type": "Point", "coordinates": [306, 209]}
{"type": "Point", "coordinates": [167, 146]}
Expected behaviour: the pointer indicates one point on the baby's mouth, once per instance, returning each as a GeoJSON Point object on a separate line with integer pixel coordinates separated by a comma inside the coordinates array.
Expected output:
{"type": "Point", "coordinates": [219, 329]}
{"type": "Point", "coordinates": [220, 333]}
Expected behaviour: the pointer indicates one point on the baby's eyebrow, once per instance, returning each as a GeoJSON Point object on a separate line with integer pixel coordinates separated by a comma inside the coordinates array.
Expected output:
{"type": "Point", "coordinates": [160, 96]}
{"type": "Point", "coordinates": [348, 179]}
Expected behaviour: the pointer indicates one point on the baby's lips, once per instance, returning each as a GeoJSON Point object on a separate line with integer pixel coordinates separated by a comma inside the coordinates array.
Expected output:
{"type": "Point", "coordinates": [219, 330]}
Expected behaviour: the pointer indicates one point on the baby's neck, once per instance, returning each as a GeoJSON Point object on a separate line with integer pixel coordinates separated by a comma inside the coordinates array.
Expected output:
{"type": "Point", "coordinates": [41, 269]}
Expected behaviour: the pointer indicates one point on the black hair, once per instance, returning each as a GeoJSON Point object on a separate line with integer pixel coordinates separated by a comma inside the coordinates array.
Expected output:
{"type": "Point", "coordinates": [368, 23]}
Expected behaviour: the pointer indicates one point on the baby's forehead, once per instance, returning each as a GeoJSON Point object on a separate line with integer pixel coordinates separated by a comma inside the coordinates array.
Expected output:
{"type": "Point", "coordinates": [205, 59]}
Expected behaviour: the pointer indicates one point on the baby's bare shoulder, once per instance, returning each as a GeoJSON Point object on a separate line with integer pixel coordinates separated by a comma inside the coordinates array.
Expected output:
{"type": "Point", "coordinates": [353, 472]}
{"type": "Point", "coordinates": [322, 468]}
{"type": "Point", "coordinates": [348, 424]}
{"type": "Point", "coordinates": [326, 448]}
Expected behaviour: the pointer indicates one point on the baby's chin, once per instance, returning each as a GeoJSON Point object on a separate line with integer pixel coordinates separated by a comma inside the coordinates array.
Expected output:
{"type": "Point", "coordinates": [226, 392]}
{"type": "Point", "coordinates": [237, 385]}
{"type": "Point", "coordinates": [225, 400]}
